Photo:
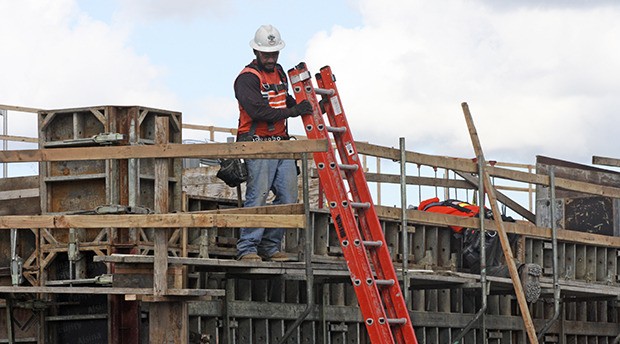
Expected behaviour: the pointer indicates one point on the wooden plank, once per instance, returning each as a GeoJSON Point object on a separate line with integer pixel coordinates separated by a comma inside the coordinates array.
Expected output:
{"type": "Point", "coordinates": [411, 180]}
{"type": "Point", "coordinates": [152, 221]}
{"type": "Point", "coordinates": [160, 240]}
{"type": "Point", "coordinates": [257, 150]}
{"type": "Point", "coordinates": [459, 164]}
{"type": "Point", "coordinates": [16, 194]}
{"type": "Point", "coordinates": [599, 160]}
{"type": "Point", "coordinates": [232, 131]}
{"type": "Point", "coordinates": [97, 290]}
{"type": "Point", "coordinates": [19, 108]}
{"type": "Point", "coordinates": [490, 191]}
{"type": "Point", "coordinates": [19, 138]}
{"type": "Point", "coordinates": [280, 209]}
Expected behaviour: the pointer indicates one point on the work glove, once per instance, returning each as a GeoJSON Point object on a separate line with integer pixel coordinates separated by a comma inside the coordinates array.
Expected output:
{"type": "Point", "coordinates": [301, 109]}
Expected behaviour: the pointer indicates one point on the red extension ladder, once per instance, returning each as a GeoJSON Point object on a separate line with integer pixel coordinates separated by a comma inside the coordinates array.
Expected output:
{"type": "Point", "coordinates": [374, 279]}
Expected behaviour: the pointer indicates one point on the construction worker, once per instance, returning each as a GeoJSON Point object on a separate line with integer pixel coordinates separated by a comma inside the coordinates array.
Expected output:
{"type": "Point", "coordinates": [495, 266]}
{"type": "Point", "coordinates": [264, 106]}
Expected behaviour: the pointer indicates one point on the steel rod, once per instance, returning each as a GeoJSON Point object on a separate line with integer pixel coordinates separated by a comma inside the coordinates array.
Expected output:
{"type": "Point", "coordinates": [308, 247]}
{"type": "Point", "coordinates": [554, 243]}
{"type": "Point", "coordinates": [483, 263]}
{"type": "Point", "coordinates": [403, 216]}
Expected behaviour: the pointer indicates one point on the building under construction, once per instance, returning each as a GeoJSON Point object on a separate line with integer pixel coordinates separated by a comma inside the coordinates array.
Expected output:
{"type": "Point", "coordinates": [126, 236]}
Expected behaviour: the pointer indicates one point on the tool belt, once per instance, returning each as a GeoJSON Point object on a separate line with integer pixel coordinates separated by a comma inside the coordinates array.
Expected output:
{"type": "Point", "coordinates": [246, 137]}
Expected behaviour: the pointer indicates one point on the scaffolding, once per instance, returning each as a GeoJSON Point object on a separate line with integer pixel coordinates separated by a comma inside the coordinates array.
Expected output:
{"type": "Point", "coordinates": [91, 272]}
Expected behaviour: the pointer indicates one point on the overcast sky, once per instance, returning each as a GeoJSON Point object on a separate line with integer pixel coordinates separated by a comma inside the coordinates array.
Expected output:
{"type": "Point", "coordinates": [539, 79]}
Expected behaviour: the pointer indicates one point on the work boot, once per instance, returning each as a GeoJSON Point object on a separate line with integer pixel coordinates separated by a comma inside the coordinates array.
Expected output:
{"type": "Point", "coordinates": [530, 281]}
{"type": "Point", "coordinates": [250, 257]}
{"type": "Point", "coordinates": [278, 257]}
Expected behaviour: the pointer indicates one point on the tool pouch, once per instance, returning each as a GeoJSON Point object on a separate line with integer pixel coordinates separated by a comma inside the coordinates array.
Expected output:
{"type": "Point", "coordinates": [233, 172]}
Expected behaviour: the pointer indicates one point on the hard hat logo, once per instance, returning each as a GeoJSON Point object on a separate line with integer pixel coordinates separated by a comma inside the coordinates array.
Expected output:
{"type": "Point", "coordinates": [267, 39]}
{"type": "Point", "coordinates": [272, 39]}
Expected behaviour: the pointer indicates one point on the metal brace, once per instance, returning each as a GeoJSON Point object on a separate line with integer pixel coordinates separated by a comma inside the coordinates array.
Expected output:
{"type": "Point", "coordinates": [108, 138]}
{"type": "Point", "coordinates": [17, 262]}
{"type": "Point", "coordinates": [121, 209]}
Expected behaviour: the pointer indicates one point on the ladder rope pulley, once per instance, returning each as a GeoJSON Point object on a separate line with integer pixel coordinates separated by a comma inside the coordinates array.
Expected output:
{"type": "Point", "coordinates": [360, 234]}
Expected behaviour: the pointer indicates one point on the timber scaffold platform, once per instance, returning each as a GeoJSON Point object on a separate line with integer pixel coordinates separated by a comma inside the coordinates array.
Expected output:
{"type": "Point", "coordinates": [123, 237]}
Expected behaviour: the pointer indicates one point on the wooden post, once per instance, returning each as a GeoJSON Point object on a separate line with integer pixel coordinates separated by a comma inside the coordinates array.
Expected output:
{"type": "Point", "coordinates": [168, 321]}
{"type": "Point", "coordinates": [160, 240]}
{"type": "Point", "coordinates": [503, 238]}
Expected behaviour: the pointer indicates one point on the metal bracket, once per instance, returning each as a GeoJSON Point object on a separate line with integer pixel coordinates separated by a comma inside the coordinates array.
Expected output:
{"type": "Point", "coordinates": [121, 209]}
{"type": "Point", "coordinates": [17, 264]}
{"type": "Point", "coordinates": [108, 138]}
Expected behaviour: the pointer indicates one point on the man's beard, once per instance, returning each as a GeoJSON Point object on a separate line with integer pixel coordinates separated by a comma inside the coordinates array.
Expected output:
{"type": "Point", "coordinates": [265, 68]}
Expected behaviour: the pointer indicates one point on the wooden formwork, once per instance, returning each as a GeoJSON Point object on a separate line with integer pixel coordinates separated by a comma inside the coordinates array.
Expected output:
{"type": "Point", "coordinates": [259, 302]}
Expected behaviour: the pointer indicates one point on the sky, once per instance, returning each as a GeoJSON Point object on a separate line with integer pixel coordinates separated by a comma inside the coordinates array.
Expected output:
{"type": "Point", "coordinates": [540, 77]}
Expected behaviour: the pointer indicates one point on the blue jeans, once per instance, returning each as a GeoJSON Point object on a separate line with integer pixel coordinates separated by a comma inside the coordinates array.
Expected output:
{"type": "Point", "coordinates": [264, 175]}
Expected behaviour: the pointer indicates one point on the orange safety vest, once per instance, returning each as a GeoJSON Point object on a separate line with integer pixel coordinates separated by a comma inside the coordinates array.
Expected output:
{"type": "Point", "coordinates": [274, 89]}
{"type": "Point", "coordinates": [450, 207]}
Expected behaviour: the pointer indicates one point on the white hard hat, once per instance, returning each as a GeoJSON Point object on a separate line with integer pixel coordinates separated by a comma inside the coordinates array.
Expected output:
{"type": "Point", "coordinates": [267, 39]}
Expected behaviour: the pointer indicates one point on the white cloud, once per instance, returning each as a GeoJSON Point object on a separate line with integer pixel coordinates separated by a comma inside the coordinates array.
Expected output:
{"type": "Point", "coordinates": [165, 9]}
{"type": "Point", "coordinates": [55, 56]}
{"type": "Point", "coordinates": [537, 80]}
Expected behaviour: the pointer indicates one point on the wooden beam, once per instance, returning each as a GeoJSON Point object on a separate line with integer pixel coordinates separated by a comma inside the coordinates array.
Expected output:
{"type": "Point", "coordinates": [160, 238]}
{"type": "Point", "coordinates": [503, 237]}
{"type": "Point", "coordinates": [17, 194]}
{"type": "Point", "coordinates": [411, 180]}
{"type": "Point", "coordinates": [19, 108]}
{"type": "Point", "coordinates": [257, 150]}
{"type": "Point", "coordinates": [19, 138]}
{"type": "Point", "coordinates": [459, 164]}
{"type": "Point", "coordinates": [469, 165]}
{"type": "Point", "coordinates": [193, 220]}
{"type": "Point", "coordinates": [280, 209]}
{"type": "Point", "coordinates": [599, 160]}
{"type": "Point", "coordinates": [108, 290]}
{"type": "Point", "coordinates": [232, 131]}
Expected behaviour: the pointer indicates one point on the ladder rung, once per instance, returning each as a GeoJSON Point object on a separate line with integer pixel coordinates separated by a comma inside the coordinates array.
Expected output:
{"type": "Point", "coordinates": [397, 321]}
{"type": "Point", "coordinates": [324, 91]}
{"type": "Point", "coordinates": [384, 282]}
{"type": "Point", "coordinates": [337, 129]}
{"type": "Point", "coordinates": [364, 205]}
{"type": "Point", "coordinates": [373, 243]}
{"type": "Point", "coordinates": [350, 167]}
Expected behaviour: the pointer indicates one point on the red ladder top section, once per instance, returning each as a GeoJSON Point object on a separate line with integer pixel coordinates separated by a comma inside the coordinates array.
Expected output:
{"type": "Point", "coordinates": [378, 292]}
